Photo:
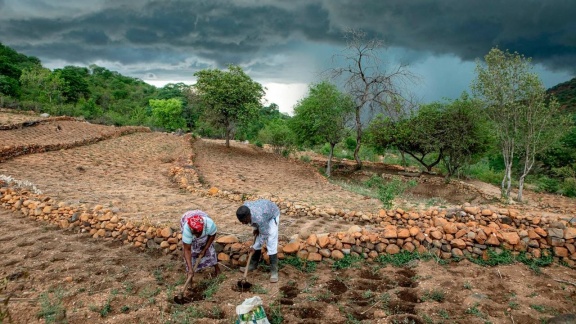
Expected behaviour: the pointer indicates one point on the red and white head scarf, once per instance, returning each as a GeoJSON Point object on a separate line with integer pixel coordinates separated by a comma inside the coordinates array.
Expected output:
{"type": "Point", "coordinates": [196, 223]}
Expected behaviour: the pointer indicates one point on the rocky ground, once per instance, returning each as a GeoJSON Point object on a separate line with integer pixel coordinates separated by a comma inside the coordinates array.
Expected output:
{"type": "Point", "coordinates": [54, 275]}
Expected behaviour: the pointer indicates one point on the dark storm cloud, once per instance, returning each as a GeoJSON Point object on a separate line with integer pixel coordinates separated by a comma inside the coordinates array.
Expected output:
{"type": "Point", "coordinates": [133, 32]}
{"type": "Point", "coordinates": [543, 30]}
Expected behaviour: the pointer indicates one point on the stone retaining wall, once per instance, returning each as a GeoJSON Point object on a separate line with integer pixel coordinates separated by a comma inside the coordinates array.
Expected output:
{"type": "Point", "coordinates": [8, 152]}
{"type": "Point", "coordinates": [35, 122]}
{"type": "Point", "coordinates": [467, 231]}
{"type": "Point", "coordinates": [446, 233]}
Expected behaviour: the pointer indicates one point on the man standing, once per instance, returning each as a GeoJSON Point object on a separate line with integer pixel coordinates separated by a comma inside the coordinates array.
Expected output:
{"type": "Point", "coordinates": [264, 216]}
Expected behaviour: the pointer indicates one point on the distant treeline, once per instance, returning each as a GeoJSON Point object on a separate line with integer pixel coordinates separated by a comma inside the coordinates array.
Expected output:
{"type": "Point", "coordinates": [107, 97]}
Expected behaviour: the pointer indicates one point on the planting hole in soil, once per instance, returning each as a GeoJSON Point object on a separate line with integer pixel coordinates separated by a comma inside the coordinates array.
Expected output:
{"type": "Point", "coordinates": [286, 301]}
{"type": "Point", "coordinates": [309, 312]}
{"type": "Point", "coordinates": [408, 296]}
{"type": "Point", "coordinates": [359, 299]}
{"type": "Point", "coordinates": [289, 291]}
{"type": "Point", "coordinates": [408, 273]}
{"type": "Point", "coordinates": [407, 283]}
{"type": "Point", "coordinates": [243, 285]}
{"type": "Point", "coordinates": [366, 274]}
{"type": "Point", "coordinates": [337, 287]}
{"type": "Point", "coordinates": [365, 285]}
{"type": "Point", "coordinates": [401, 307]}
{"type": "Point", "coordinates": [407, 318]}
{"type": "Point", "coordinates": [194, 294]}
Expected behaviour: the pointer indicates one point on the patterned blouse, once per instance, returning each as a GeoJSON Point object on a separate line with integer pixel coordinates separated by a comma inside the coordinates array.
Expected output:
{"type": "Point", "coordinates": [262, 211]}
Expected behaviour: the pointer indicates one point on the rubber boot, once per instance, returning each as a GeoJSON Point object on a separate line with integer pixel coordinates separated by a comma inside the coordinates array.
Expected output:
{"type": "Point", "coordinates": [274, 268]}
{"type": "Point", "coordinates": [253, 264]}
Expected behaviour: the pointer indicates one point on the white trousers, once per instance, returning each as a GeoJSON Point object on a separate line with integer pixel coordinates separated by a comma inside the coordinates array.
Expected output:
{"type": "Point", "coordinates": [271, 240]}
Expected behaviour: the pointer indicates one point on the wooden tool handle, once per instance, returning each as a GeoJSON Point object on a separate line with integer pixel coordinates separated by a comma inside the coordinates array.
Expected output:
{"type": "Point", "coordinates": [190, 278]}
{"type": "Point", "coordinates": [248, 264]}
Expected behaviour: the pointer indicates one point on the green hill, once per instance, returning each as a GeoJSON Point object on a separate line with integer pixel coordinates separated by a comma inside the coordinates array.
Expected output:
{"type": "Point", "coordinates": [566, 94]}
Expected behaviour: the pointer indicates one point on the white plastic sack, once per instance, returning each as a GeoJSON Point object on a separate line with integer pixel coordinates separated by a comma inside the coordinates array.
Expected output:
{"type": "Point", "coordinates": [251, 311]}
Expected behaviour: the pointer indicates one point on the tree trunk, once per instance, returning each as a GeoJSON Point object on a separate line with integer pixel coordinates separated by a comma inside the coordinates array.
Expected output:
{"type": "Point", "coordinates": [227, 134]}
{"type": "Point", "coordinates": [404, 163]}
{"type": "Point", "coordinates": [358, 140]}
{"type": "Point", "coordinates": [528, 163]}
{"type": "Point", "coordinates": [329, 163]}
{"type": "Point", "coordinates": [520, 187]}
{"type": "Point", "coordinates": [508, 155]}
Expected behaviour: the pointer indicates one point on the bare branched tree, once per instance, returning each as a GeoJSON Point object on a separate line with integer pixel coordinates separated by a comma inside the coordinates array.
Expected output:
{"type": "Point", "coordinates": [373, 86]}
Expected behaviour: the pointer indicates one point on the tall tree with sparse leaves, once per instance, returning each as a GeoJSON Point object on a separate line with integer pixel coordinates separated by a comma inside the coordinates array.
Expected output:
{"type": "Point", "coordinates": [230, 97]}
{"type": "Point", "coordinates": [372, 85]}
{"type": "Point", "coordinates": [515, 101]}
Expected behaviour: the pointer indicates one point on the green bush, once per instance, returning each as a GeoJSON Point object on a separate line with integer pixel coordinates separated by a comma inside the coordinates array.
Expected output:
{"type": "Point", "coordinates": [398, 259]}
{"type": "Point", "coordinates": [348, 261]}
{"type": "Point", "coordinates": [350, 143]}
{"type": "Point", "coordinates": [305, 158]}
{"type": "Point", "coordinates": [545, 184]}
{"type": "Point", "coordinates": [387, 191]}
{"type": "Point", "coordinates": [484, 172]}
{"type": "Point", "coordinates": [568, 187]}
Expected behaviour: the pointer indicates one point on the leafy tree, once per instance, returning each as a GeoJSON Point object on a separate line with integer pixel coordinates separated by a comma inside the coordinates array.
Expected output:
{"type": "Point", "coordinates": [266, 115]}
{"type": "Point", "coordinates": [452, 132]}
{"type": "Point", "coordinates": [11, 65]}
{"type": "Point", "coordinates": [167, 113]}
{"type": "Point", "coordinates": [230, 97]}
{"type": "Point", "coordinates": [41, 85]}
{"type": "Point", "coordinates": [76, 83]}
{"type": "Point", "coordinates": [278, 134]}
{"type": "Point", "coordinates": [9, 86]}
{"type": "Point", "coordinates": [418, 136]}
{"type": "Point", "coordinates": [515, 102]}
{"type": "Point", "coordinates": [467, 134]}
{"type": "Point", "coordinates": [322, 117]}
{"type": "Point", "coordinates": [370, 84]}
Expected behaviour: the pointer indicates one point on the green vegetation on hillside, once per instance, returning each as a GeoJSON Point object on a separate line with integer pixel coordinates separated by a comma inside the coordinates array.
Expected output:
{"type": "Point", "coordinates": [449, 137]}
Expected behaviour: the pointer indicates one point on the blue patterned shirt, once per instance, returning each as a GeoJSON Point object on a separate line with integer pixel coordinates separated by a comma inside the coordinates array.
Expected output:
{"type": "Point", "coordinates": [262, 211]}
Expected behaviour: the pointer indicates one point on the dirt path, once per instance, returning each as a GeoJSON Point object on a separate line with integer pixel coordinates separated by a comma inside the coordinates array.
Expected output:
{"type": "Point", "coordinates": [249, 169]}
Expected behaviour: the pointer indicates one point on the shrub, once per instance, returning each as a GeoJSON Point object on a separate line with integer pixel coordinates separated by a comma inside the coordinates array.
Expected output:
{"type": "Point", "coordinates": [484, 172]}
{"type": "Point", "coordinates": [545, 184]}
{"type": "Point", "coordinates": [568, 187]}
{"type": "Point", "coordinates": [386, 192]}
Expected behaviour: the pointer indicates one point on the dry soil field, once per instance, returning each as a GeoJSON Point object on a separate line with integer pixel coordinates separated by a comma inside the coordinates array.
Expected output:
{"type": "Point", "coordinates": [59, 276]}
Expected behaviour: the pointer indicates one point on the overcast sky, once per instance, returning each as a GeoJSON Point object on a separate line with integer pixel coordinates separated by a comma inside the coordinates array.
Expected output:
{"type": "Point", "coordinates": [286, 44]}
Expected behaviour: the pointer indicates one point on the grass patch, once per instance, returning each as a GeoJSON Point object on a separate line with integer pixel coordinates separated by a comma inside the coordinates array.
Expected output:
{"type": "Point", "coordinates": [444, 314]}
{"type": "Point", "coordinates": [475, 311]}
{"type": "Point", "coordinates": [212, 286]}
{"type": "Point", "coordinates": [539, 308]}
{"type": "Point", "coordinates": [398, 259]}
{"type": "Point", "coordinates": [186, 314]}
{"type": "Point", "coordinates": [4, 312]}
{"type": "Point", "coordinates": [348, 261]}
{"type": "Point", "coordinates": [435, 294]}
{"type": "Point", "coordinates": [535, 263]}
{"type": "Point", "coordinates": [302, 265]}
{"type": "Point", "coordinates": [387, 191]}
{"type": "Point", "coordinates": [276, 316]}
{"type": "Point", "coordinates": [495, 258]}
{"type": "Point", "coordinates": [258, 289]}
{"type": "Point", "coordinates": [51, 308]}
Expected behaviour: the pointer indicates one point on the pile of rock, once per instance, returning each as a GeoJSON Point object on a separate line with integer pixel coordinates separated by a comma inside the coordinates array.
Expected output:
{"type": "Point", "coordinates": [445, 233]}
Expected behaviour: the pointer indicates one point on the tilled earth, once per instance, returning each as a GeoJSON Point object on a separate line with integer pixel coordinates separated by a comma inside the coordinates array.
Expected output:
{"type": "Point", "coordinates": [58, 276]}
